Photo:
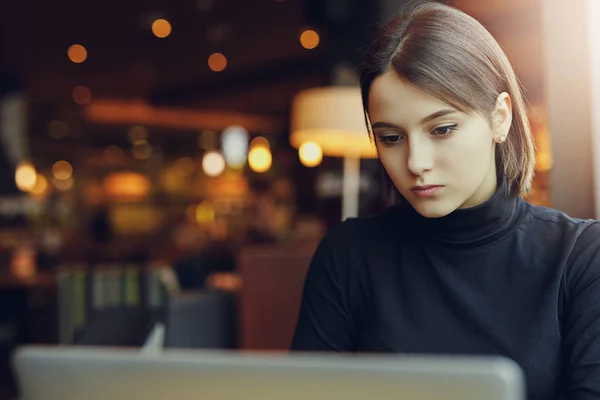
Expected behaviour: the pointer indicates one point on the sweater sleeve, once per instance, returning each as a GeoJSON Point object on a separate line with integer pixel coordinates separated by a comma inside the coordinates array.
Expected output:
{"type": "Point", "coordinates": [581, 324]}
{"type": "Point", "coordinates": [325, 321]}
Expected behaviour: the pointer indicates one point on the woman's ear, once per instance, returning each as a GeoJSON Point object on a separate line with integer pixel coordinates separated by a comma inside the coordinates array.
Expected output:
{"type": "Point", "coordinates": [502, 117]}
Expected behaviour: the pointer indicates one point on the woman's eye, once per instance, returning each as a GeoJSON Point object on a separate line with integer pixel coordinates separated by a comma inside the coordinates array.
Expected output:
{"type": "Point", "coordinates": [390, 139]}
{"type": "Point", "coordinates": [444, 130]}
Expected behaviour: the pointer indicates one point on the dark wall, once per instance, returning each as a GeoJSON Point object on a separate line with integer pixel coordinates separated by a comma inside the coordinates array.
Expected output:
{"type": "Point", "coordinates": [348, 26]}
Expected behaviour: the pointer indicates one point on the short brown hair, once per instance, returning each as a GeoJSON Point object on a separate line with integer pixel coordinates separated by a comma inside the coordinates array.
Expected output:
{"type": "Point", "coordinates": [452, 56]}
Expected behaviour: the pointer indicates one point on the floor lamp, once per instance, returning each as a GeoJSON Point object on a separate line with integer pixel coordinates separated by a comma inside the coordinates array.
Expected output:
{"type": "Point", "coordinates": [333, 118]}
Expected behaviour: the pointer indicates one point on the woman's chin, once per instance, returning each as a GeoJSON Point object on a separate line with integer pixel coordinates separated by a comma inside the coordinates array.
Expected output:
{"type": "Point", "coordinates": [430, 208]}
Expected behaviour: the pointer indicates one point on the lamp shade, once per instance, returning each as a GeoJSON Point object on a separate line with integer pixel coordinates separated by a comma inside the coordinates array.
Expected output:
{"type": "Point", "coordinates": [333, 118]}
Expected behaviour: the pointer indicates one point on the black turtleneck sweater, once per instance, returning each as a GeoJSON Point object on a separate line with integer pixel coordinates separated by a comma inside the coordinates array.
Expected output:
{"type": "Point", "coordinates": [503, 278]}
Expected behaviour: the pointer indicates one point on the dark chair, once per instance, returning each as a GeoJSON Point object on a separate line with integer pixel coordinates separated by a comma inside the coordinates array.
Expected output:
{"type": "Point", "coordinates": [128, 327]}
{"type": "Point", "coordinates": [203, 319]}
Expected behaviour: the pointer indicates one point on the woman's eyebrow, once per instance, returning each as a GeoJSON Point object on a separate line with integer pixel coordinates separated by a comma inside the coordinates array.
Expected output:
{"type": "Point", "coordinates": [437, 114]}
{"type": "Point", "coordinates": [384, 125]}
{"type": "Point", "coordinates": [425, 120]}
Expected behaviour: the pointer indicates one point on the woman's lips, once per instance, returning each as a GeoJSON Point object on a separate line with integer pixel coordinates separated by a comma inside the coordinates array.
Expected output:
{"type": "Point", "coordinates": [426, 191]}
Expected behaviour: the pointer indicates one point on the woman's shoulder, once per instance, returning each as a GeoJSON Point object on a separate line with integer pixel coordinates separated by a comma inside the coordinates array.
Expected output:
{"type": "Point", "coordinates": [550, 217]}
{"type": "Point", "coordinates": [579, 237]}
{"type": "Point", "coordinates": [576, 241]}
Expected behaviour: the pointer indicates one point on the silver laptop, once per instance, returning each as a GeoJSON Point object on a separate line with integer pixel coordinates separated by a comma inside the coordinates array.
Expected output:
{"type": "Point", "coordinates": [58, 373]}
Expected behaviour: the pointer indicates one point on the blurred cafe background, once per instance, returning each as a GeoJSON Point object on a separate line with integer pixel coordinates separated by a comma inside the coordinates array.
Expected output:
{"type": "Point", "coordinates": [177, 162]}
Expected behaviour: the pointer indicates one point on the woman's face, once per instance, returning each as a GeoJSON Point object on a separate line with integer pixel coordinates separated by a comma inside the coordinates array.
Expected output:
{"type": "Point", "coordinates": [440, 159]}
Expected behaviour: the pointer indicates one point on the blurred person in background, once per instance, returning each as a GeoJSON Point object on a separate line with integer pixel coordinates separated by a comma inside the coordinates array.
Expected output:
{"type": "Point", "coordinates": [460, 264]}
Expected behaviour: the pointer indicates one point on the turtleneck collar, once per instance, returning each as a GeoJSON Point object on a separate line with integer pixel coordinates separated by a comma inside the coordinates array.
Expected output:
{"type": "Point", "coordinates": [477, 226]}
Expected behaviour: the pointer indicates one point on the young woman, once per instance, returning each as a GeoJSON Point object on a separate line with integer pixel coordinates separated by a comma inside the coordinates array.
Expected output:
{"type": "Point", "coordinates": [462, 264]}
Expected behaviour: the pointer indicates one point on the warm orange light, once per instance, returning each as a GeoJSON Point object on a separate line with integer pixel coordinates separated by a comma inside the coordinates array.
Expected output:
{"type": "Point", "coordinates": [62, 170]}
{"type": "Point", "coordinates": [77, 53]}
{"type": "Point", "coordinates": [23, 262]}
{"type": "Point", "coordinates": [205, 213]}
{"type": "Point", "coordinates": [260, 159]}
{"type": "Point", "coordinates": [217, 62]}
{"type": "Point", "coordinates": [41, 185]}
{"type": "Point", "coordinates": [161, 28]}
{"type": "Point", "coordinates": [310, 154]}
{"type": "Point", "coordinates": [25, 176]}
{"type": "Point", "coordinates": [227, 186]}
{"type": "Point", "coordinates": [126, 186]}
{"type": "Point", "coordinates": [136, 112]}
{"type": "Point", "coordinates": [82, 95]}
{"type": "Point", "coordinates": [260, 141]}
{"type": "Point", "coordinates": [309, 39]}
